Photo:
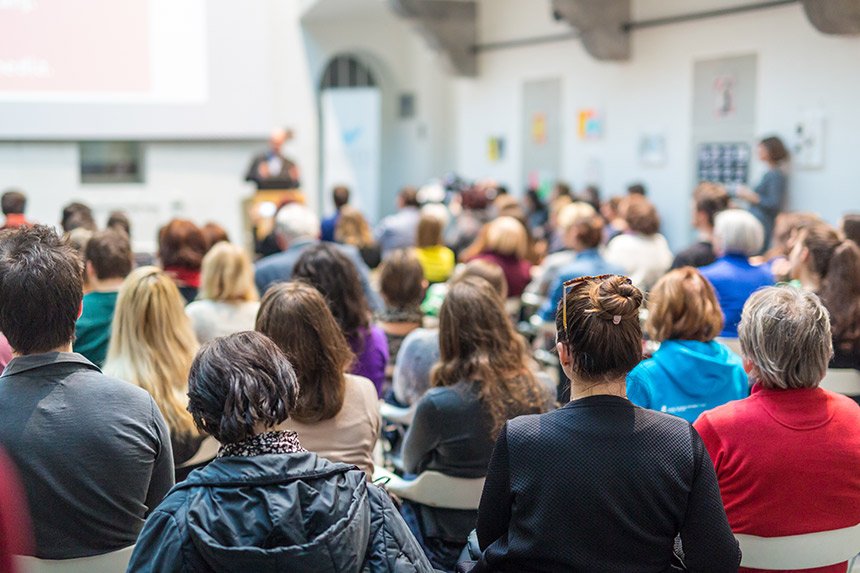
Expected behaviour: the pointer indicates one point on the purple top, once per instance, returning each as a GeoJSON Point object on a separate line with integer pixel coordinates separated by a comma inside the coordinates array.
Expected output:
{"type": "Point", "coordinates": [371, 355]}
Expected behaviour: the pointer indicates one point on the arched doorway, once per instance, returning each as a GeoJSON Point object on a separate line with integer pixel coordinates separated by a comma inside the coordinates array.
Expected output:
{"type": "Point", "coordinates": [351, 142]}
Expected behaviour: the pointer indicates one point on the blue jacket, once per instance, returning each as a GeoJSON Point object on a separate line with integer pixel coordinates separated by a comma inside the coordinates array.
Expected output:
{"type": "Point", "coordinates": [734, 280]}
{"type": "Point", "coordinates": [687, 377]}
{"type": "Point", "coordinates": [277, 512]}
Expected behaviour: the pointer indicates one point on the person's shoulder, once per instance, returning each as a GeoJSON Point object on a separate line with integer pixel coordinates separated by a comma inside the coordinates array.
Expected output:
{"type": "Point", "coordinates": [272, 262]}
{"type": "Point", "coordinates": [361, 387]}
{"type": "Point", "coordinates": [843, 405]}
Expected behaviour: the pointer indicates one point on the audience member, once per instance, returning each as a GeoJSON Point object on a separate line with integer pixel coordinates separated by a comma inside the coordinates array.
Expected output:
{"type": "Point", "coordinates": [638, 478]}
{"type": "Point", "coordinates": [181, 248]}
{"type": "Point", "coordinates": [93, 452]}
{"type": "Point", "coordinates": [470, 220]}
{"type": "Point", "coordinates": [108, 260]}
{"type": "Point", "coordinates": [13, 204]}
{"type": "Point", "coordinates": [590, 195]}
{"type": "Point", "coordinates": [536, 212]}
{"type": "Point", "coordinates": [785, 231]}
{"type": "Point", "coordinates": [554, 238]}
{"type": "Point", "coordinates": [152, 346]}
{"type": "Point", "coordinates": [615, 224]}
{"type": "Point", "coordinates": [336, 415]}
{"type": "Point", "coordinates": [829, 265]}
{"type": "Point", "coordinates": [340, 197]}
{"type": "Point", "coordinates": [786, 457]}
{"type": "Point", "coordinates": [768, 197]}
{"type": "Point", "coordinates": [637, 189]}
{"type": "Point", "coordinates": [851, 227]}
{"type": "Point", "coordinates": [228, 300]}
{"type": "Point", "coordinates": [296, 230]}
{"type": "Point", "coordinates": [265, 503]}
{"type": "Point", "coordinates": [324, 267]}
{"type": "Point", "coordinates": [418, 354]}
{"type": "Point", "coordinates": [397, 231]}
{"type": "Point", "coordinates": [15, 531]}
{"type": "Point", "coordinates": [402, 285]}
{"type": "Point", "coordinates": [569, 219]}
{"type": "Point", "coordinates": [435, 258]}
{"type": "Point", "coordinates": [641, 251]}
{"type": "Point", "coordinates": [710, 199]}
{"type": "Point", "coordinates": [214, 234]}
{"type": "Point", "coordinates": [690, 372]}
{"type": "Point", "coordinates": [77, 215]}
{"type": "Point", "coordinates": [737, 236]}
{"type": "Point", "coordinates": [507, 245]}
{"type": "Point", "coordinates": [353, 229]}
{"type": "Point", "coordinates": [118, 220]}
{"type": "Point", "coordinates": [482, 379]}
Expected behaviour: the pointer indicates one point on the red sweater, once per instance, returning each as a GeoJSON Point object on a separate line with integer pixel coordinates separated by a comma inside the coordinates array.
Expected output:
{"type": "Point", "coordinates": [787, 461]}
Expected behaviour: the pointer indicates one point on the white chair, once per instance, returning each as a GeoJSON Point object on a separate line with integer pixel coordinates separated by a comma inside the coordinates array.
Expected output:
{"type": "Point", "coordinates": [733, 344]}
{"type": "Point", "coordinates": [114, 562]}
{"type": "Point", "coordinates": [205, 453]}
{"type": "Point", "coordinates": [434, 489]}
{"type": "Point", "coordinates": [396, 414]}
{"type": "Point", "coordinates": [805, 551]}
{"type": "Point", "coordinates": [842, 381]}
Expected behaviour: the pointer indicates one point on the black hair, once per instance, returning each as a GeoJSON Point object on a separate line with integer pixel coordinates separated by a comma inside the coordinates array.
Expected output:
{"type": "Point", "coordinates": [13, 202]}
{"type": "Point", "coordinates": [237, 382]}
{"type": "Point", "coordinates": [41, 286]}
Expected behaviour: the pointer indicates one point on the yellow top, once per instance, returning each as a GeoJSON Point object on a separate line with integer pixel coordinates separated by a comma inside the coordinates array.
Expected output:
{"type": "Point", "coordinates": [437, 261]}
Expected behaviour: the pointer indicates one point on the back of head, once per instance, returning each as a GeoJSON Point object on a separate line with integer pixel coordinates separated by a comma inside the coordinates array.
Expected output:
{"type": "Point", "coordinates": [401, 280]}
{"type": "Point", "coordinates": [294, 221]}
{"type": "Point", "coordinates": [587, 232]}
{"type": "Point", "coordinates": [507, 236]}
{"type": "Point", "coordinates": [109, 253]}
{"type": "Point", "coordinates": [490, 272]}
{"type": "Point", "coordinates": [408, 197]}
{"type": "Point", "coordinates": [227, 275]}
{"type": "Point", "coordinates": [328, 270]}
{"type": "Point", "coordinates": [785, 333]}
{"type": "Point", "coordinates": [41, 285]}
{"type": "Point", "coordinates": [738, 232]}
{"type": "Point", "coordinates": [13, 202]}
{"type": "Point", "coordinates": [821, 241]}
{"type": "Point", "coordinates": [214, 234]}
{"type": "Point", "coordinates": [76, 215]}
{"type": "Point", "coordinates": [710, 199]}
{"type": "Point", "coordinates": [352, 228]}
{"type": "Point", "coordinates": [640, 214]}
{"type": "Point", "coordinates": [340, 196]}
{"type": "Point", "coordinates": [429, 233]}
{"type": "Point", "coordinates": [683, 306]}
{"type": "Point", "coordinates": [636, 189]}
{"type": "Point", "coordinates": [119, 220]}
{"type": "Point", "coordinates": [181, 245]}
{"type": "Point", "coordinates": [851, 227]}
{"type": "Point", "coordinates": [295, 316]}
{"type": "Point", "coordinates": [152, 343]}
{"type": "Point", "coordinates": [776, 150]}
{"type": "Point", "coordinates": [238, 383]}
{"type": "Point", "coordinates": [786, 227]}
{"type": "Point", "coordinates": [598, 321]}
{"type": "Point", "coordinates": [572, 213]}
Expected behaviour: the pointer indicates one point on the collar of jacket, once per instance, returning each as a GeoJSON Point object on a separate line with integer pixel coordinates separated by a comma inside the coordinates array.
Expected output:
{"type": "Point", "coordinates": [32, 361]}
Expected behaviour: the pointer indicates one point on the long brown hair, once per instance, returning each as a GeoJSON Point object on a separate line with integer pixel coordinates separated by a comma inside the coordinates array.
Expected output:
{"type": "Point", "coordinates": [477, 342]}
{"type": "Point", "coordinates": [295, 316]}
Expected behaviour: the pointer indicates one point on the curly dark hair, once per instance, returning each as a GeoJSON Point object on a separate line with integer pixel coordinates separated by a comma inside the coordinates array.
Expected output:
{"type": "Point", "coordinates": [237, 382]}
{"type": "Point", "coordinates": [331, 272]}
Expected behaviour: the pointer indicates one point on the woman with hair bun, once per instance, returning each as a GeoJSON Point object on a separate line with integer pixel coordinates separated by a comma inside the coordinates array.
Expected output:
{"type": "Point", "coordinates": [600, 484]}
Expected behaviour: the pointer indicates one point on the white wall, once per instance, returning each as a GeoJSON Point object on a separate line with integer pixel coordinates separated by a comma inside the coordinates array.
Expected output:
{"type": "Point", "coordinates": [798, 68]}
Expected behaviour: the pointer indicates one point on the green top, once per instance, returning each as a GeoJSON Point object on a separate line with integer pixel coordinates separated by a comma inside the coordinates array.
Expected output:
{"type": "Point", "coordinates": [92, 331]}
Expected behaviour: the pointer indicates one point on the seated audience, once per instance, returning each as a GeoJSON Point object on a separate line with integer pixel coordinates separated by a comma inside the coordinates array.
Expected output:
{"type": "Point", "coordinates": [473, 206]}
{"type": "Point", "coordinates": [709, 199]}
{"type": "Point", "coordinates": [641, 250]}
{"type": "Point", "coordinates": [536, 212]}
{"type": "Point", "coordinates": [690, 372]}
{"type": "Point", "coordinates": [13, 204]}
{"type": "Point", "coordinates": [108, 260]}
{"type": "Point", "coordinates": [15, 531]}
{"type": "Point", "coordinates": [353, 229]}
{"type": "Point", "coordinates": [337, 414]}
{"type": "Point", "coordinates": [181, 248]}
{"type": "Point", "coordinates": [214, 234]}
{"type": "Point", "coordinates": [152, 346]}
{"type": "Point", "coordinates": [328, 270]}
{"type": "Point", "coordinates": [77, 215]}
{"type": "Point", "coordinates": [737, 236]}
{"type": "Point", "coordinates": [482, 380]}
{"type": "Point", "coordinates": [567, 220]}
{"type": "Point", "coordinates": [829, 265]}
{"type": "Point", "coordinates": [93, 452]}
{"type": "Point", "coordinates": [228, 300]}
{"type": "Point", "coordinates": [340, 197]}
{"type": "Point", "coordinates": [297, 230]}
{"type": "Point", "coordinates": [418, 354]}
{"type": "Point", "coordinates": [786, 457]}
{"type": "Point", "coordinates": [507, 245]}
{"type": "Point", "coordinates": [601, 485]}
{"type": "Point", "coordinates": [397, 231]}
{"type": "Point", "coordinates": [119, 221]}
{"type": "Point", "coordinates": [435, 258]}
{"type": "Point", "coordinates": [265, 503]}
{"type": "Point", "coordinates": [402, 285]}
{"type": "Point", "coordinates": [785, 231]}
{"type": "Point", "coordinates": [850, 226]}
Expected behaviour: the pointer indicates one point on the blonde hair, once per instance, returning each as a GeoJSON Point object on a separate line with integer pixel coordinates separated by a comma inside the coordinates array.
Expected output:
{"type": "Point", "coordinates": [507, 236]}
{"type": "Point", "coordinates": [352, 228]}
{"type": "Point", "coordinates": [152, 344]}
{"type": "Point", "coordinates": [227, 275]}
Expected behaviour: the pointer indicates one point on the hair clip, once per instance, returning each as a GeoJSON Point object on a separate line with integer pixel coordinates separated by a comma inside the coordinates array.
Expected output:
{"type": "Point", "coordinates": [616, 319]}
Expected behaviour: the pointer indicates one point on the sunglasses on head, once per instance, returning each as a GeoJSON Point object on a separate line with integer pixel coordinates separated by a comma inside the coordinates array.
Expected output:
{"type": "Point", "coordinates": [576, 283]}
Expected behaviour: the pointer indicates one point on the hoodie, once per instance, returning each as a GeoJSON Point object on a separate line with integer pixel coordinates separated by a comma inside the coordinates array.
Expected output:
{"type": "Point", "coordinates": [688, 377]}
{"type": "Point", "coordinates": [277, 512]}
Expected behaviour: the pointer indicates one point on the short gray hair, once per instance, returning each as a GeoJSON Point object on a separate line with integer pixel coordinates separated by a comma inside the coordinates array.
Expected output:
{"type": "Point", "coordinates": [738, 232]}
{"type": "Point", "coordinates": [785, 333]}
{"type": "Point", "coordinates": [295, 221]}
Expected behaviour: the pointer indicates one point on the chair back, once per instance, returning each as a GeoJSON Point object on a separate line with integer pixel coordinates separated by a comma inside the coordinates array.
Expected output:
{"type": "Point", "coordinates": [842, 381]}
{"type": "Point", "coordinates": [434, 489]}
{"type": "Point", "coordinates": [113, 562]}
{"type": "Point", "coordinates": [205, 453]}
{"type": "Point", "coordinates": [806, 551]}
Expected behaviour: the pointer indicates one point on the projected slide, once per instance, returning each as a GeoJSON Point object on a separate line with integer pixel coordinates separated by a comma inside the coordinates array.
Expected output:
{"type": "Point", "coordinates": [136, 51]}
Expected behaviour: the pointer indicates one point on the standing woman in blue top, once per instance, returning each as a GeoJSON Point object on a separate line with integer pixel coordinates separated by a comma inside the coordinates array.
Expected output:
{"type": "Point", "coordinates": [690, 372]}
{"type": "Point", "coordinates": [768, 197]}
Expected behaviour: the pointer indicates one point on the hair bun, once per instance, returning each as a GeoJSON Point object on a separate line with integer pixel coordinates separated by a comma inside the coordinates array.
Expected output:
{"type": "Point", "coordinates": [616, 296]}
